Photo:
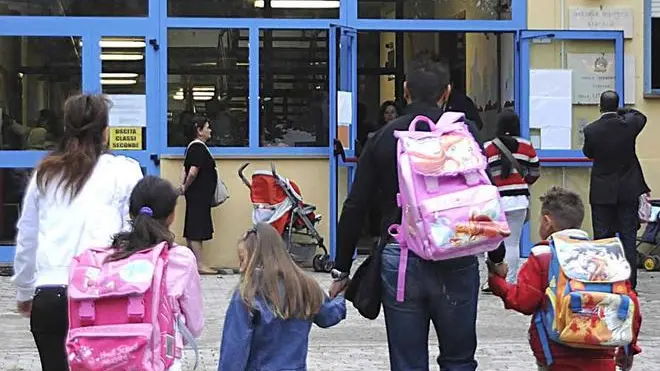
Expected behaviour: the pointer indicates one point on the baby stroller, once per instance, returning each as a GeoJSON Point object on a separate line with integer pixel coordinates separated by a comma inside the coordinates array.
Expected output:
{"type": "Point", "coordinates": [648, 245]}
{"type": "Point", "coordinates": [278, 202]}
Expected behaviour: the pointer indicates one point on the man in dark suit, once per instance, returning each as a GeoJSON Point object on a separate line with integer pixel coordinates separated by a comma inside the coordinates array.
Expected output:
{"type": "Point", "coordinates": [616, 177]}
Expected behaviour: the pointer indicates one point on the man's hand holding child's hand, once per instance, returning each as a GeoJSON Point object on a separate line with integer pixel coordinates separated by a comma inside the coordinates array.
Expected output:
{"type": "Point", "coordinates": [624, 361]}
{"type": "Point", "coordinates": [499, 269]}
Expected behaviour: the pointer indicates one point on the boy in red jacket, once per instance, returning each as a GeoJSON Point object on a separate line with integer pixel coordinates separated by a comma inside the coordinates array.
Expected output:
{"type": "Point", "coordinates": [561, 211]}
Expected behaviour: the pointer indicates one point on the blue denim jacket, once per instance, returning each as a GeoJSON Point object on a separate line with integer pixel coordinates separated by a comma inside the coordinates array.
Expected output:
{"type": "Point", "coordinates": [261, 341]}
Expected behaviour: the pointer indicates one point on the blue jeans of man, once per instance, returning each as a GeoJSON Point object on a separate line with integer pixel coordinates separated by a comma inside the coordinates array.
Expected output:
{"type": "Point", "coordinates": [443, 293]}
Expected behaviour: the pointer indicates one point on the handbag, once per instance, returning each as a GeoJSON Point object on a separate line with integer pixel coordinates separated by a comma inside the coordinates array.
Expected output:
{"type": "Point", "coordinates": [221, 193]}
{"type": "Point", "coordinates": [645, 208]}
{"type": "Point", "coordinates": [509, 156]}
{"type": "Point", "coordinates": [364, 290]}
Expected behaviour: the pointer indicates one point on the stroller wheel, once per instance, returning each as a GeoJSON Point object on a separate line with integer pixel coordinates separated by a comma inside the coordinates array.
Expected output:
{"type": "Point", "coordinates": [640, 260]}
{"type": "Point", "coordinates": [319, 261]}
{"type": "Point", "coordinates": [327, 267]}
{"type": "Point", "coordinates": [651, 263]}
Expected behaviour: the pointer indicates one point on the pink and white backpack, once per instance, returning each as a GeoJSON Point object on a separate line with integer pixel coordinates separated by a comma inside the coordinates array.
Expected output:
{"type": "Point", "coordinates": [449, 207]}
{"type": "Point", "coordinates": [120, 314]}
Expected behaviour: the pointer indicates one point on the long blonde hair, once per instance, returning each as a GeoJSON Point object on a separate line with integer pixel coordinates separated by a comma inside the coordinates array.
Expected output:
{"type": "Point", "coordinates": [269, 272]}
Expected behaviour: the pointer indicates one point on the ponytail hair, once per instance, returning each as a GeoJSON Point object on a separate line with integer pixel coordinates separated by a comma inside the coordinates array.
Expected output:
{"type": "Point", "coordinates": [151, 206]}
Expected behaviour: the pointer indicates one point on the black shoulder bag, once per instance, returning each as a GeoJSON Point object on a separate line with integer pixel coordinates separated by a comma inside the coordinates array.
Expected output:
{"type": "Point", "coordinates": [512, 160]}
{"type": "Point", "coordinates": [364, 290]}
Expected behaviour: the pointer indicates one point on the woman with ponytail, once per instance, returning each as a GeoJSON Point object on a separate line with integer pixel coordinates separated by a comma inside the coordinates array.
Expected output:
{"type": "Point", "coordinates": [77, 198]}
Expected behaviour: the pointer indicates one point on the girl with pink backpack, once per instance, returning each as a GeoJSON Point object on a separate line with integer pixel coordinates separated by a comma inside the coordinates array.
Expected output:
{"type": "Point", "coordinates": [131, 306]}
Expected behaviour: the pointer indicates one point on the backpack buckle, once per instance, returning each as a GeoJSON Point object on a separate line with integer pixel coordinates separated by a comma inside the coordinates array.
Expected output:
{"type": "Point", "coordinates": [87, 312]}
{"type": "Point", "coordinates": [135, 309]}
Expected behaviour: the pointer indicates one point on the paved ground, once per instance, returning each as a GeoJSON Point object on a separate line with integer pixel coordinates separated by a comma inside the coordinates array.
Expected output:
{"type": "Point", "coordinates": [356, 344]}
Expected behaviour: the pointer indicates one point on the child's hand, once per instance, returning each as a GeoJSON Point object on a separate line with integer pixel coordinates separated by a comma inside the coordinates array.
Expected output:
{"type": "Point", "coordinates": [500, 269]}
{"type": "Point", "coordinates": [624, 361]}
{"type": "Point", "coordinates": [338, 287]}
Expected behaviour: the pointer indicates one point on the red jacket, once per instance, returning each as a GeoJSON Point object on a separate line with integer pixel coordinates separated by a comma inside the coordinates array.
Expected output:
{"type": "Point", "coordinates": [528, 295]}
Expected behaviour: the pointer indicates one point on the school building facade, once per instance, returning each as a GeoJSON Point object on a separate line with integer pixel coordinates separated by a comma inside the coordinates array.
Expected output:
{"type": "Point", "coordinates": [281, 79]}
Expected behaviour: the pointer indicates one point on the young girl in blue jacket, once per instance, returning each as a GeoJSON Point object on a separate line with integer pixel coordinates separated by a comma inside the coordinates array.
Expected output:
{"type": "Point", "coordinates": [271, 313]}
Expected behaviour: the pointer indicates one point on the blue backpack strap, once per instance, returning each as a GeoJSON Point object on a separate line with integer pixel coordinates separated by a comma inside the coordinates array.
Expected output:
{"type": "Point", "coordinates": [622, 313]}
{"type": "Point", "coordinates": [543, 338]}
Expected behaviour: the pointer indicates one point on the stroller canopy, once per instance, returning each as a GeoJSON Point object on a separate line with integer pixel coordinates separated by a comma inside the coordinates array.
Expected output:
{"type": "Point", "coordinates": [266, 190]}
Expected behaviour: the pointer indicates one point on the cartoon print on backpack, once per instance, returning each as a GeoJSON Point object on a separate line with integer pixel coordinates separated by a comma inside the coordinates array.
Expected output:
{"type": "Point", "coordinates": [602, 262]}
{"type": "Point", "coordinates": [478, 228]}
{"type": "Point", "coordinates": [441, 230]}
{"type": "Point", "coordinates": [599, 321]}
{"type": "Point", "coordinates": [460, 154]}
{"type": "Point", "coordinates": [433, 156]}
{"type": "Point", "coordinates": [481, 225]}
{"type": "Point", "coordinates": [138, 271]}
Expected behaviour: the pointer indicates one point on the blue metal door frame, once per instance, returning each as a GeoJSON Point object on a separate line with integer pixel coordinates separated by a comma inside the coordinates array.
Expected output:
{"type": "Point", "coordinates": [347, 55]}
{"type": "Point", "coordinates": [524, 38]}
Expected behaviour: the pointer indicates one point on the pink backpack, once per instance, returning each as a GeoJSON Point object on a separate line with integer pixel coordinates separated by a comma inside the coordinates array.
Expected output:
{"type": "Point", "coordinates": [449, 207]}
{"type": "Point", "coordinates": [120, 315]}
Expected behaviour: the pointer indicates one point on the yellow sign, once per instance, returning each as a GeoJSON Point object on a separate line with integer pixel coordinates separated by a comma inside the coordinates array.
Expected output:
{"type": "Point", "coordinates": [126, 138]}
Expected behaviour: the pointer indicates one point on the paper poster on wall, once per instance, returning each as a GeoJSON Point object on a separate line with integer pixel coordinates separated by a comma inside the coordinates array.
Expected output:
{"type": "Point", "coordinates": [344, 117]}
{"type": "Point", "coordinates": [126, 138]}
{"type": "Point", "coordinates": [128, 110]}
{"type": "Point", "coordinates": [602, 18]}
{"type": "Point", "coordinates": [555, 138]}
{"type": "Point", "coordinates": [593, 74]}
{"type": "Point", "coordinates": [550, 111]}
{"type": "Point", "coordinates": [551, 108]}
{"type": "Point", "coordinates": [550, 83]}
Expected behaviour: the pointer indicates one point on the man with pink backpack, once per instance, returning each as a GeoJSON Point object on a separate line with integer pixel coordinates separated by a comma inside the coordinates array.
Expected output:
{"type": "Point", "coordinates": [439, 211]}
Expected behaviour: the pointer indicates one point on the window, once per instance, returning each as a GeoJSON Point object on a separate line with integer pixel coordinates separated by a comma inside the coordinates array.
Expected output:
{"type": "Point", "coordinates": [254, 8]}
{"type": "Point", "coordinates": [68, 8]}
{"type": "Point", "coordinates": [123, 80]}
{"type": "Point", "coordinates": [594, 59]}
{"type": "Point", "coordinates": [293, 74]}
{"type": "Point", "coordinates": [37, 74]}
{"type": "Point", "coordinates": [435, 9]}
{"type": "Point", "coordinates": [478, 65]}
{"type": "Point", "coordinates": [654, 79]}
{"type": "Point", "coordinates": [208, 74]}
{"type": "Point", "coordinates": [13, 183]}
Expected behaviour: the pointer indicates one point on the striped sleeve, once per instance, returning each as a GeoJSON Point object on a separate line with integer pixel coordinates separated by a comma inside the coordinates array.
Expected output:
{"type": "Point", "coordinates": [513, 184]}
{"type": "Point", "coordinates": [528, 158]}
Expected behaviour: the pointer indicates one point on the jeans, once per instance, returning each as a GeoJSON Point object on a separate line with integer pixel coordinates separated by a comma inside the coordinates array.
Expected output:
{"type": "Point", "coordinates": [443, 293]}
{"type": "Point", "coordinates": [608, 220]}
{"type": "Point", "coordinates": [516, 220]}
{"type": "Point", "coordinates": [49, 324]}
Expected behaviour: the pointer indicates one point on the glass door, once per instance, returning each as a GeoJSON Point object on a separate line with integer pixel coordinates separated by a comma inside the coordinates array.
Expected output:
{"type": "Point", "coordinates": [563, 74]}
{"type": "Point", "coordinates": [126, 72]}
